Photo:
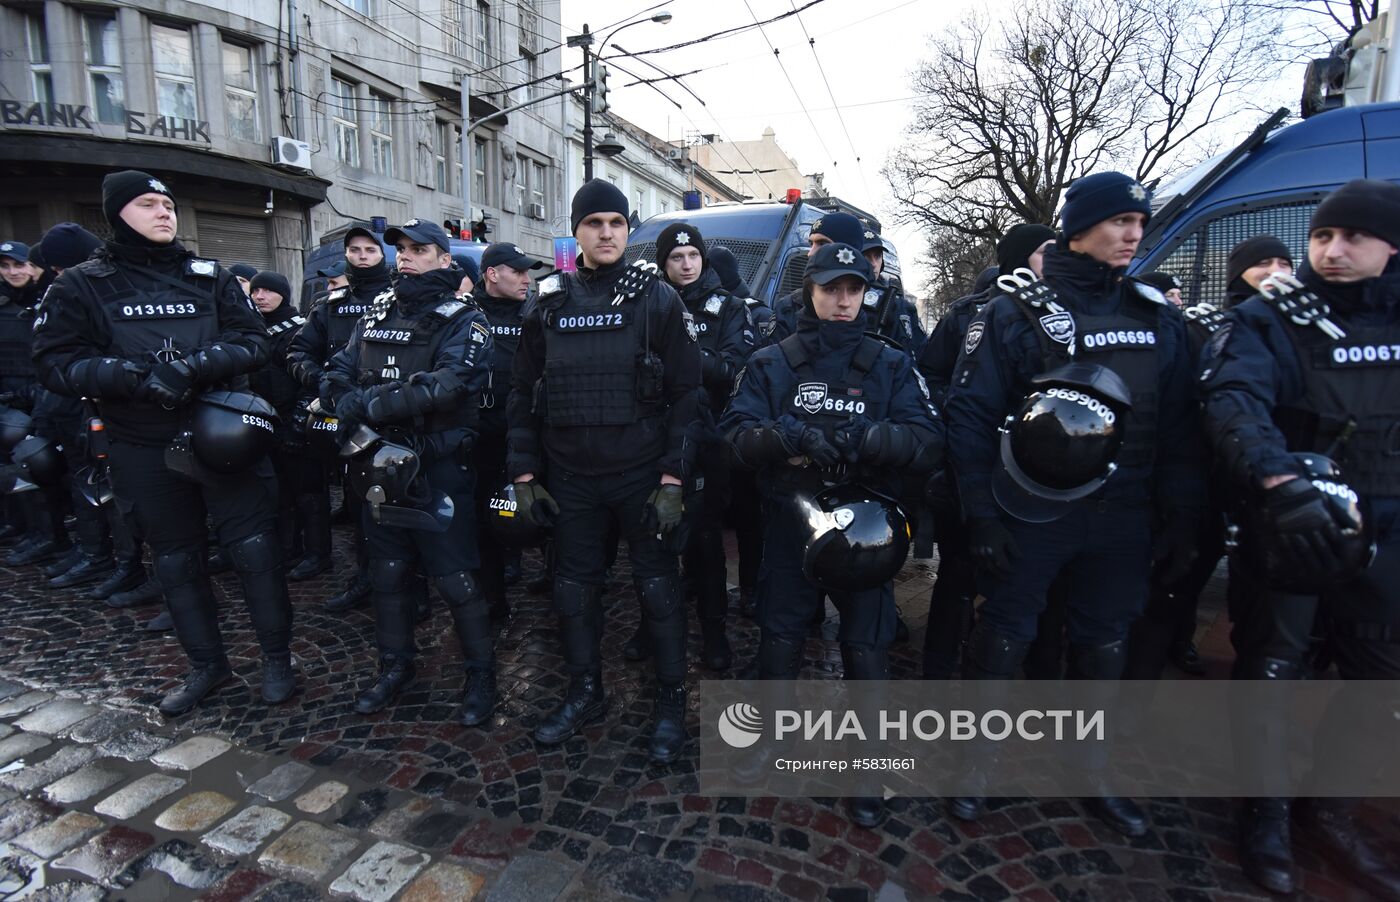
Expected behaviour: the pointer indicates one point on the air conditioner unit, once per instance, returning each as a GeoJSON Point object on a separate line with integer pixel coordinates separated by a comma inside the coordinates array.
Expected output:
{"type": "Point", "coordinates": [291, 152]}
{"type": "Point", "coordinates": [675, 153]}
{"type": "Point", "coordinates": [536, 211]}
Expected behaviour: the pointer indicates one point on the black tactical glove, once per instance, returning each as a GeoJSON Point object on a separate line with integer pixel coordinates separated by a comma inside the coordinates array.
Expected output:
{"type": "Point", "coordinates": [663, 509]}
{"type": "Point", "coordinates": [349, 413]}
{"type": "Point", "coordinates": [537, 503]}
{"type": "Point", "coordinates": [1175, 548]}
{"type": "Point", "coordinates": [1298, 514]}
{"type": "Point", "coordinates": [385, 403]}
{"type": "Point", "coordinates": [847, 437]}
{"type": "Point", "coordinates": [991, 545]}
{"type": "Point", "coordinates": [888, 445]}
{"type": "Point", "coordinates": [812, 442]}
{"type": "Point", "coordinates": [169, 384]}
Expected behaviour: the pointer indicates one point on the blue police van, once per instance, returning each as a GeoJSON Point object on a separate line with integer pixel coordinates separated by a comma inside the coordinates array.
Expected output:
{"type": "Point", "coordinates": [1269, 184]}
{"type": "Point", "coordinates": [767, 238]}
{"type": "Point", "coordinates": [332, 248]}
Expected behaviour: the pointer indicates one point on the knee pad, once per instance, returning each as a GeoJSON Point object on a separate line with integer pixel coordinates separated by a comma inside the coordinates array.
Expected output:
{"type": "Point", "coordinates": [388, 577]}
{"type": "Point", "coordinates": [660, 596]}
{"type": "Point", "coordinates": [458, 588]}
{"type": "Point", "coordinates": [178, 568]}
{"type": "Point", "coordinates": [865, 662]}
{"type": "Point", "coordinates": [573, 598]}
{"type": "Point", "coordinates": [256, 554]}
{"type": "Point", "coordinates": [991, 655]}
{"type": "Point", "coordinates": [1098, 662]}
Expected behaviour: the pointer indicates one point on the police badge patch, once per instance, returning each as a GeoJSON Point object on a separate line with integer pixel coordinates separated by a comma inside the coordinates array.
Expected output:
{"type": "Point", "coordinates": [690, 326]}
{"type": "Point", "coordinates": [714, 305]}
{"type": "Point", "coordinates": [872, 297]}
{"type": "Point", "coordinates": [1059, 326]}
{"type": "Point", "coordinates": [974, 337]}
{"type": "Point", "coordinates": [200, 267]}
{"type": "Point", "coordinates": [811, 396]}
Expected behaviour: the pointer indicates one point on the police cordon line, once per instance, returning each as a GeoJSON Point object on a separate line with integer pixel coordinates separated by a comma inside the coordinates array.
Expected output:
{"type": "Point", "coordinates": [1083, 450]}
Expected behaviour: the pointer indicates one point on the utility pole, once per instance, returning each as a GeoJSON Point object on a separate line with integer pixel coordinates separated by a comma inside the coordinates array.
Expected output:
{"type": "Point", "coordinates": [585, 41]}
{"type": "Point", "coordinates": [468, 164]}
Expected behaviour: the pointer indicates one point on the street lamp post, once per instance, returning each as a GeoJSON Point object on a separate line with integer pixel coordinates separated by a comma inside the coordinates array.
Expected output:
{"type": "Point", "coordinates": [585, 41]}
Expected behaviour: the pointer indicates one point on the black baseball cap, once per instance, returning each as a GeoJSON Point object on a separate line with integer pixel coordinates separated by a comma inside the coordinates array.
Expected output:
{"type": "Point", "coordinates": [832, 261]}
{"type": "Point", "coordinates": [419, 232]}
{"type": "Point", "coordinates": [17, 251]}
{"type": "Point", "coordinates": [335, 269]}
{"type": "Point", "coordinates": [361, 229]}
{"type": "Point", "coordinates": [872, 242]}
{"type": "Point", "coordinates": [503, 253]}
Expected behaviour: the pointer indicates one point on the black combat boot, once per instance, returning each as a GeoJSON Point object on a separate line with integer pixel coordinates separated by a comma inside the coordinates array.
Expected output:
{"type": "Point", "coordinates": [471, 617]}
{"type": "Point", "coordinates": [1266, 850]}
{"type": "Point", "coordinates": [989, 659]}
{"type": "Point", "coordinates": [1102, 665]}
{"type": "Point", "coordinates": [147, 592]}
{"type": "Point", "coordinates": [127, 576]}
{"type": "Point", "coordinates": [279, 680]}
{"type": "Point", "coordinates": [356, 593]}
{"type": "Point", "coordinates": [86, 570]}
{"type": "Point", "coordinates": [62, 564]}
{"type": "Point", "coordinates": [315, 512]}
{"type": "Point", "coordinates": [580, 619]}
{"type": "Point", "coordinates": [190, 602]}
{"type": "Point", "coordinates": [668, 735]}
{"type": "Point", "coordinates": [871, 666]}
{"type": "Point", "coordinates": [394, 674]}
{"type": "Point", "coordinates": [1330, 826]}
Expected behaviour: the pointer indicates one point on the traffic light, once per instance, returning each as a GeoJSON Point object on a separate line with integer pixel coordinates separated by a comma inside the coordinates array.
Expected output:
{"type": "Point", "coordinates": [482, 227]}
{"type": "Point", "coordinates": [600, 88]}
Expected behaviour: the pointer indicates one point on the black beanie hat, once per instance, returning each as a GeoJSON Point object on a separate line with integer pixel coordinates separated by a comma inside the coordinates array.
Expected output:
{"type": "Point", "coordinates": [243, 270]}
{"type": "Point", "coordinates": [679, 234]}
{"type": "Point", "coordinates": [1370, 205]}
{"type": "Point", "coordinates": [272, 281]}
{"type": "Point", "coordinates": [841, 228]}
{"type": "Point", "coordinates": [597, 196]}
{"type": "Point", "coordinates": [68, 244]}
{"type": "Point", "coordinates": [1019, 242]}
{"type": "Point", "coordinates": [721, 259]}
{"type": "Point", "coordinates": [121, 188]}
{"type": "Point", "coordinates": [1252, 251]}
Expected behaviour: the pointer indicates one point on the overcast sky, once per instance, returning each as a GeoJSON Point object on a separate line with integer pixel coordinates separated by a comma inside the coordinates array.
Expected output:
{"type": "Point", "coordinates": [866, 50]}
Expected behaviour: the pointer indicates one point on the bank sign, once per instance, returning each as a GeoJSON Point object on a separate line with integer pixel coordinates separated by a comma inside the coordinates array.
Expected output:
{"type": "Point", "coordinates": [68, 116]}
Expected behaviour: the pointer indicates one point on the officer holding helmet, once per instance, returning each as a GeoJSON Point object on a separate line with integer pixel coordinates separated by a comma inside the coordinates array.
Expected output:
{"type": "Point", "coordinates": [413, 372]}
{"type": "Point", "coordinates": [603, 409]}
{"type": "Point", "coordinates": [143, 328]}
{"type": "Point", "coordinates": [1310, 366]}
{"type": "Point", "coordinates": [501, 293]}
{"type": "Point", "coordinates": [329, 324]}
{"type": "Point", "coordinates": [1101, 534]}
{"type": "Point", "coordinates": [829, 406]}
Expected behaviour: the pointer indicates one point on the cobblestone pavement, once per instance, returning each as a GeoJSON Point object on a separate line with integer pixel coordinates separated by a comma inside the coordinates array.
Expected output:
{"type": "Point", "coordinates": [99, 798]}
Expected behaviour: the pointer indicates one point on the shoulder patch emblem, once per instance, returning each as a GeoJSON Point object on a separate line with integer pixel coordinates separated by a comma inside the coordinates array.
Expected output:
{"type": "Point", "coordinates": [479, 333]}
{"type": "Point", "coordinates": [450, 308]}
{"type": "Point", "coordinates": [872, 297]}
{"type": "Point", "coordinates": [714, 305]}
{"type": "Point", "coordinates": [973, 337]}
{"type": "Point", "coordinates": [1150, 293]}
{"type": "Point", "coordinates": [550, 284]}
{"type": "Point", "coordinates": [690, 326]}
{"type": "Point", "coordinates": [338, 293]}
{"type": "Point", "coordinates": [199, 267]}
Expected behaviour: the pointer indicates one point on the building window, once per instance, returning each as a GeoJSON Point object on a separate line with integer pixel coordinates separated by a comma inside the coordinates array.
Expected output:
{"type": "Point", "coordinates": [522, 189]}
{"type": "Point", "coordinates": [665, 206]}
{"type": "Point", "coordinates": [172, 54]}
{"type": "Point", "coordinates": [240, 93]}
{"type": "Point", "coordinates": [345, 123]}
{"type": "Point", "coordinates": [483, 33]}
{"type": "Point", "coordinates": [539, 176]}
{"type": "Point", "coordinates": [102, 53]}
{"type": "Point", "coordinates": [40, 69]}
{"type": "Point", "coordinates": [529, 26]}
{"type": "Point", "coordinates": [359, 6]}
{"type": "Point", "coordinates": [638, 205]}
{"type": "Point", "coordinates": [457, 154]}
{"type": "Point", "coordinates": [441, 136]}
{"type": "Point", "coordinates": [533, 84]}
{"type": "Point", "coordinates": [479, 170]}
{"type": "Point", "coordinates": [458, 30]}
{"type": "Point", "coordinates": [381, 133]}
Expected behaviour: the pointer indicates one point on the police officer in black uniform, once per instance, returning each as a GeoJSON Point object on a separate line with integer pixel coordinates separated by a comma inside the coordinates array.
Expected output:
{"type": "Point", "coordinates": [142, 328]}
{"type": "Point", "coordinates": [951, 601]}
{"type": "Point", "coordinates": [827, 405]}
{"type": "Point", "coordinates": [413, 370]}
{"type": "Point", "coordinates": [1105, 543]}
{"type": "Point", "coordinates": [328, 327]}
{"type": "Point", "coordinates": [501, 292]}
{"type": "Point", "coordinates": [1314, 369]}
{"type": "Point", "coordinates": [271, 294]}
{"type": "Point", "coordinates": [603, 410]}
{"type": "Point", "coordinates": [894, 316]}
{"type": "Point", "coordinates": [726, 340]}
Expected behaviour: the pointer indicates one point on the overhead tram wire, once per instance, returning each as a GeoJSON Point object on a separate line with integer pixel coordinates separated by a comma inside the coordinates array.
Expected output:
{"type": "Point", "coordinates": [791, 84]}
{"type": "Point", "coordinates": [812, 43]}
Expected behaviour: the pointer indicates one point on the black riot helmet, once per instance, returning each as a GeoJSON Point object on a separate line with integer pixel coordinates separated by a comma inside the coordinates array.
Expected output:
{"type": "Point", "coordinates": [511, 526]}
{"type": "Point", "coordinates": [231, 431]}
{"type": "Point", "coordinates": [39, 460]}
{"type": "Point", "coordinates": [1061, 443]}
{"type": "Point", "coordinates": [1266, 544]}
{"type": "Point", "coordinates": [386, 475]}
{"type": "Point", "coordinates": [320, 434]}
{"type": "Point", "coordinates": [15, 425]}
{"type": "Point", "coordinates": [856, 538]}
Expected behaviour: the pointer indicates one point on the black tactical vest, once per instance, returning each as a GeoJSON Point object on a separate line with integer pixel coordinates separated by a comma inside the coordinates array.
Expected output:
{"type": "Point", "coordinates": [1350, 406]}
{"type": "Point", "coordinates": [163, 316]}
{"type": "Point", "coordinates": [1124, 341]}
{"type": "Point", "coordinates": [832, 404]}
{"type": "Point", "coordinates": [593, 350]}
{"type": "Point", "coordinates": [395, 347]}
{"type": "Point", "coordinates": [343, 310]}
